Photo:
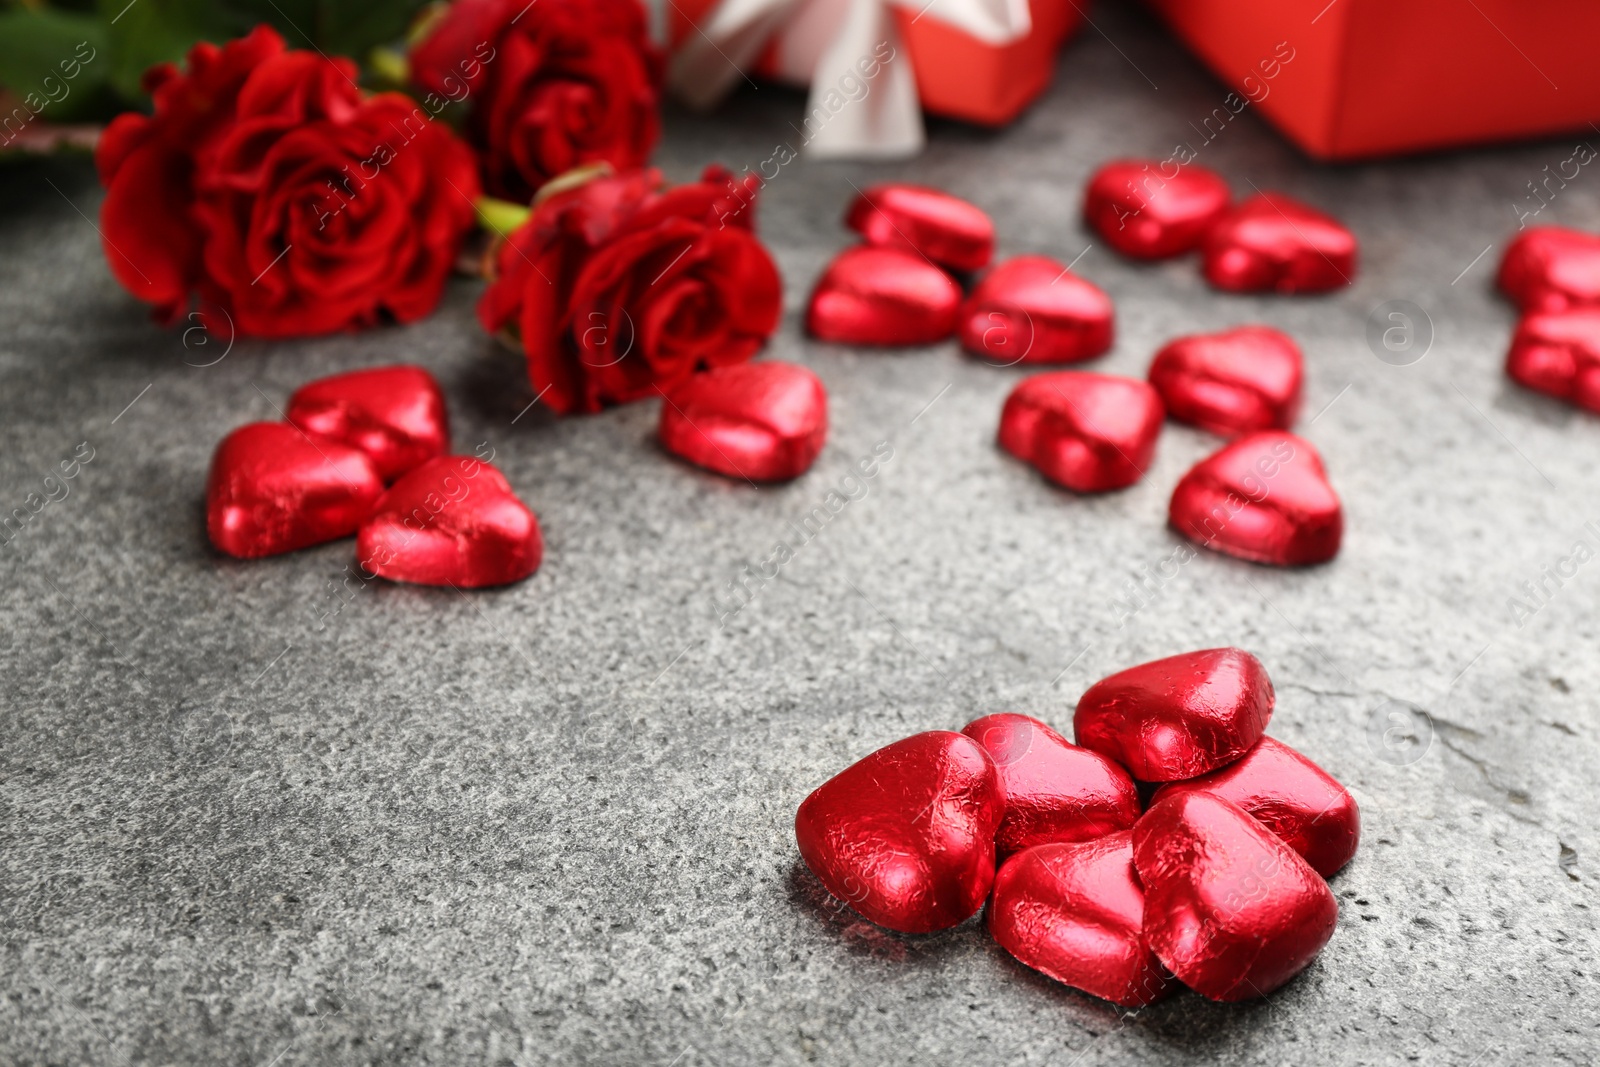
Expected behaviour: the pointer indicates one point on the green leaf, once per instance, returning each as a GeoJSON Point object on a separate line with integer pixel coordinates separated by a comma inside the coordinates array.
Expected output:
{"type": "Point", "coordinates": [56, 59]}
{"type": "Point", "coordinates": [337, 27]}
{"type": "Point", "coordinates": [146, 32]}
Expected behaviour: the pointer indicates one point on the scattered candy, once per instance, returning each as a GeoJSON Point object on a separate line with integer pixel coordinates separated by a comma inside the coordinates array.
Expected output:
{"type": "Point", "coordinates": [1273, 243]}
{"type": "Point", "coordinates": [1178, 717]}
{"type": "Point", "coordinates": [1147, 215]}
{"type": "Point", "coordinates": [1234, 382]}
{"type": "Point", "coordinates": [452, 521]}
{"type": "Point", "coordinates": [396, 415]}
{"type": "Point", "coordinates": [761, 421]}
{"type": "Point", "coordinates": [1551, 268]}
{"type": "Point", "coordinates": [1031, 309]}
{"type": "Point", "coordinates": [1558, 353]}
{"type": "Point", "coordinates": [1263, 498]}
{"type": "Point", "coordinates": [1293, 797]}
{"type": "Point", "coordinates": [944, 228]}
{"type": "Point", "coordinates": [274, 489]}
{"type": "Point", "coordinates": [1088, 432]}
{"type": "Point", "coordinates": [1229, 909]}
{"type": "Point", "coordinates": [1054, 791]}
{"type": "Point", "coordinates": [906, 835]}
{"type": "Point", "coordinates": [1077, 913]}
{"type": "Point", "coordinates": [883, 296]}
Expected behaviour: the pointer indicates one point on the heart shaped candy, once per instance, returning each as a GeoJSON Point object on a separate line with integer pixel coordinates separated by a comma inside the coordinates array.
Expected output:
{"type": "Point", "coordinates": [1263, 498]}
{"type": "Point", "coordinates": [396, 415]}
{"type": "Point", "coordinates": [906, 835]}
{"type": "Point", "coordinates": [273, 489]}
{"type": "Point", "coordinates": [1229, 909]}
{"type": "Point", "coordinates": [1234, 382]}
{"type": "Point", "coordinates": [1088, 432]}
{"type": "Point", "coordinates": [1558, 353]}
{"type": "Point", "coordinates": [883, 296]}
{"type": "Point", "coordinates": [944, 228]}
{"type": "Point", "coordinates": [1273, 243]}
{"type": "Point", "coordinates": [1031, 309]}
{"type": "Point", "coordinates": [1294, 798]}
{"type": "Point", "coordinates": [1178, 717]}
{"type": "Point", "coordinates": [1076, 913]}
{"type": "Point", "coordinates": [1146, 214]}
{"type": "Point", "coordinates": [1054, 790]}
{"type": "Point", "coordinates": [452, 521]}
{"type": "Point", "coordinates": [1551, 268]}
{"type": "Point", "coordinates": [761, 421]}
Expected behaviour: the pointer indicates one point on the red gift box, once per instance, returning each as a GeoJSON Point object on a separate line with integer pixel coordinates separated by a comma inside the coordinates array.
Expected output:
{"type": "Point", "coordinates": [1380, 77]}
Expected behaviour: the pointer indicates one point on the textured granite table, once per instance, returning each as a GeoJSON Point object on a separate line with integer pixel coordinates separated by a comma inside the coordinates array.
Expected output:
{"type": "Point", "coordinates": [251, 814]}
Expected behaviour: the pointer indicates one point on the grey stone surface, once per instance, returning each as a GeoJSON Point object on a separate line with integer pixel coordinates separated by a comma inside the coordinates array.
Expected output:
{"type": "Point", "coordinates": [553, 823]}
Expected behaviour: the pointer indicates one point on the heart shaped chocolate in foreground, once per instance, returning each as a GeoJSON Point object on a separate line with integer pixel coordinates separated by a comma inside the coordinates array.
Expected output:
{"type": "Point", "coordinates": [396, 415]}
{"type": "Point", "coordinates": [1178, 717]}
{"type": "Point", "coordinates": [1228, 908]}
{"type": "Point", "coordinates": [1551, 268]}
{"type": "Point", "coordinates": [1234, 382]}
{"type": "Point", "coordinates": [274, 489]}
{"type": "Point", "coordinates": [1559, 353]}
{"type": "Point", "coordinates": [452, 521]}
{"type": "Point", "coordinates": [761, 421]}
{"type": "Point", "coordinates": [1264, 498]}
{"type": "Point", "coordinates": [1145, 213]}
{"type": "Point", "coordinates": [1076, 913]}
{"type": "Point", "coordinates": [906, 835]}
{"type": "Point", "coordinates": [1274, 243]}
{"type": "Point", "coordinates": [944, 228]}
{"type": "Point", "coordinates": [883, 296]}
{"type": "Point", "coordinates": [1088, 432]}
{"type": "Point", "coordinates": [1031, 309]}
{"type": "Point", "coordinates": [1054, 790]}
{"type": "Point", "coordinates": [1294, 798]}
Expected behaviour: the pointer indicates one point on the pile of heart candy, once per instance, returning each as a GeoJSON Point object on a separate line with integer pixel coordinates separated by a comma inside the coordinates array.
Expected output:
{"type": "Point", "coordinates": [364, 453]}
{"type": "Point", "coordinates": [1218, 881]}
{"type": "Point", "coordinates": [1265, 496]}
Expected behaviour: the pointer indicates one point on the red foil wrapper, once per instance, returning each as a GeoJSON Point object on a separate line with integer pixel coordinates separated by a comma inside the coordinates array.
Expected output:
{"type": "Point", "coordinates": [1076, 912]}
{"type": "Point", "coordinates": [1264, 498]}
{"type": "Point", "coordinates": [396, 415]}
{"type": "Point", "coordinates": [906, 835]}
{"type": "Point", "coordinates": [762, 421]}
{"type": "Point", "coordinates": [1230, 909]}
{"type": "Point", "coordinates": [1088, 432]}
{"type": "Point", "coordinates": [1178, 717]}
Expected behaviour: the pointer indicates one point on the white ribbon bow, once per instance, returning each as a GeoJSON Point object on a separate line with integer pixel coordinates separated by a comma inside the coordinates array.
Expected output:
{"type": "Point", "coordinates": [832, 45]}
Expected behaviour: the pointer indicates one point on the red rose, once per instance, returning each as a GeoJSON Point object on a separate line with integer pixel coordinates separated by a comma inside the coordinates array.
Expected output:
{"type": "Point", "coordinates": [292, 204]}
{"type": "Point", "coordinates": [618, 289]}
{"type": "Point", "coordinates": [550, 85]}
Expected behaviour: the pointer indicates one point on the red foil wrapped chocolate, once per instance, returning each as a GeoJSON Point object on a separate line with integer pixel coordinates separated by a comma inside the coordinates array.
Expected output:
{"type": "Point", "coordinates": [1076, 913]}
{"type": "Point", "coordinates": [1559, 353]}
{"type": "Point", "coordinates": [761, 421]}
{"type": "Point", "coordinates": [883, 296]}
{"type": "Point", "coordinates": [1178, 717]}
{"type": "Point", "coordinates": [1274, 243]}
{"type": "Point", "coordinates": [1230, 909]}
{"type": "Point", "coordinates": [906, 835]}
{"type": "Point", "coordinates": [1144, 212]}
{"type": "Point", "coordinates": [453, 521]}
{"type": "Point", "coordinates": [1235, 382]}
{"type": "Point", "coordinates": [1088, 432]}
{"type": "Point", "coordinates": [1054, 790]}
{"type": "Point", "coordinates": [944, 228]}
{"type": "Point", "coordinates": [396, 415]}
{"type": "Point", "coordinates": [1264, 498]}
{"type": "Point", "coordinates": [1291, 796]}
{"type": "Point", "coordinates": [1031, 309]}
{"type": "Point", "coordinates": [273, 489]}
{"type": "Point", "coordinates": [1551, 268]}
